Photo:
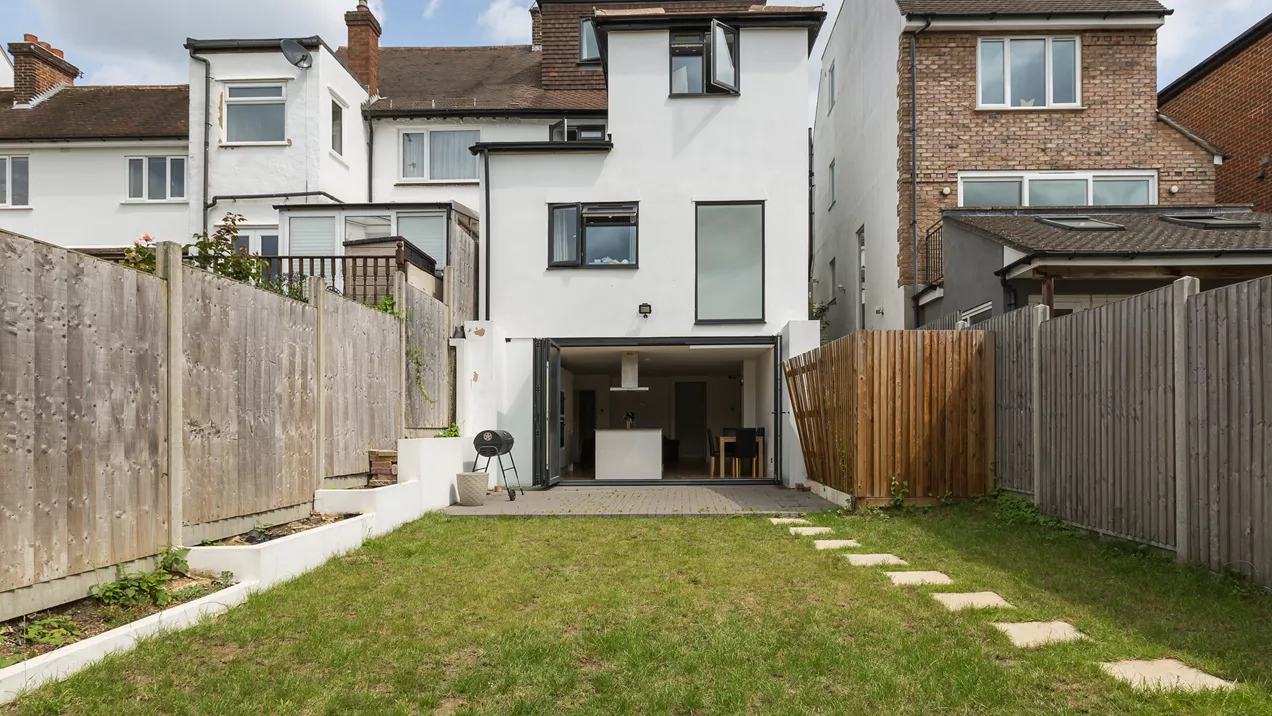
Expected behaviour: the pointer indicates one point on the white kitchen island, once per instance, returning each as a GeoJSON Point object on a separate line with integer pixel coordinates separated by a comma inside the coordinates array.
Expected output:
{"type": "Point", "coordinates": [629, 454]}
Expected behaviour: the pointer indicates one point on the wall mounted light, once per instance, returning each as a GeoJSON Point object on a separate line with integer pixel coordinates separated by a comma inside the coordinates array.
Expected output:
{"type": "Point", "coordinates": [1174, 189]}
{"type": "Point", "coordinates": [946, 191]}
{"type": "Point", "coordinates": [645, 310]}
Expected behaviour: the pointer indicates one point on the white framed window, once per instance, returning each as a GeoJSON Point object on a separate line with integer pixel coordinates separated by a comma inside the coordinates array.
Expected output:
{"type": "Point", "coordinates": [1028, 72]}
{"type": "Point", "coordinates": [156, 178]}
{"type": "Point", "coordinates": [1058, 188]}
{"type": "Point", "coordinates": [15, 181]}
{"type": "Point", "coordinates": [337, 125]}
{"type": "Point", "coordinates": [830, 88]}
{"type": "Point", "coordinates": [261, 241]}
{"type": "Point", "coordinates": [980, 314]}
{"type": "Point", "coordinates": [256, 113]}
{"type": "Point", "coordinates": [439, 155]}
{"type": "Point", "coordinates": [834, 181]}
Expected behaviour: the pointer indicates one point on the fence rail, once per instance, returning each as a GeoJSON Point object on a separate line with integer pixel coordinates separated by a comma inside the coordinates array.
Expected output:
{"type": "Point", "coordinates": [365, 279]}
{"type": "Point", "coordinates": [882, 414]}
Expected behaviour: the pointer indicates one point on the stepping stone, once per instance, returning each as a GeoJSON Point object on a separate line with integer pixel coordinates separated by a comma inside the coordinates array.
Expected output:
{"type": "Point", "coordinates": [972, 600]}
{"type": "Point", "coordinates": [874, 560]}
{"type": "Point", "coordinates": [909, 579]}
{"type": "Point", "coordinates": [835, 543]}
{"type": "Point", "coordinates": [811, 530]}
{"type": "Point", "coordinates": [1164, 674]}
{"type": "Point", "coordinates": [1027, 634]}
{"type": "Point", "coordinates": [789, 521]}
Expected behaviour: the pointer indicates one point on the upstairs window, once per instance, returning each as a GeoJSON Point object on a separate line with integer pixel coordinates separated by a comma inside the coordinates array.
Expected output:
{"type": "Point", "coordinates": [15, 181]}
{"type": "Point", "coordinates": [156, 178]}
{"type": "Point", "coordinates": [439, 155]}
{"type": "Point", "coordinates": [589, 49]}
{"type": "Point", "coordinates": [255, 114]}
{"type": "Point", "coordinates": [1124, 188]}
{"type": "Point", "coordinates": [1024, 72]}
{"type": "Point", "coordinates": [705, 62]}
{"type": "Point", "coordinates": [586, 130]}
{"type": "Point", "coordinates": [730, 262]}
{"type": "Point", "coordinates": [592, 235]}
{"type": "Point", "coordinates": [830, 88]}
{"type": "Point", "coordinates": [337, 126]}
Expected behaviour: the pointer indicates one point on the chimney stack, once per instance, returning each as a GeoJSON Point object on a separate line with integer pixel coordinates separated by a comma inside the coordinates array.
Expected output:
{"type": "Point", "coordinates": [536, 28]}
{"type": "Point", "coordinates": [38, 68]}
{"type": "Point", "coordinates": [364, 46]}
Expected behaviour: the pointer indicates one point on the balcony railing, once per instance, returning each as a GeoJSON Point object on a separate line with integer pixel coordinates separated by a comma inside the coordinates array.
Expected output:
{"type": "Point", "coordinates": [366, 279]}
{"type": "Point", "coordinates": [931, 259]}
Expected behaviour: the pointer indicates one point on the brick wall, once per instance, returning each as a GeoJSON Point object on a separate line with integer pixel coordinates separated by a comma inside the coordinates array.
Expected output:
{"type": "Point", "coordinates": [560, 32]}
{"type": "Point", "coordinates": [1117, 130]}
{"type": "Point", "coordinates": [1232, 107]}
{"type": "Point", "coordinates": [37, 68]}
{"type": "Point", "coordinates": [363, 57]}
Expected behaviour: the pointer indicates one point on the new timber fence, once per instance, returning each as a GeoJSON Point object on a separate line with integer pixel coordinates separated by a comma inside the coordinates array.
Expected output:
{"type": "Point", "coordinates": [142, 410]}
{"type": "Point", "coordinates": [886, 415]}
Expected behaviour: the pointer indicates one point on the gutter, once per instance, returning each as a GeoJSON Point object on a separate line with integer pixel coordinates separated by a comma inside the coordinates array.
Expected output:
{"type": "Point", "coordinates": [474, 112]}
{"type": "Point", "coordinates": [207, 130]}
{"type": "Point", "coordinates": [370, 157]}
{"type": "Point", "coordinates": [1200, 253]}
{"type": "Point", "coordinates": [276, 195]}
{"type": "Point", "coordinates": [485, 223]}
{"type": "Point", "coordinates": [914, 162]}
{"type": "Point", "coordinates": [548, 147]}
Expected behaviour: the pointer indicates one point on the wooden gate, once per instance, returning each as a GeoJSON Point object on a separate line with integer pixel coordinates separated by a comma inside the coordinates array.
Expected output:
{"type": "Point", "coordinates": [882, 414]}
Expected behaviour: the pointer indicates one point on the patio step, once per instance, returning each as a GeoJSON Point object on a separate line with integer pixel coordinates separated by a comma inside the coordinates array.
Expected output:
{"type": "Point", "coordinates": [910, 579]}
{"type": "Point", "coordinates": [789, 521]}
{"type": "Point", "coordinates": [955, 602]}
{"type": "Point", "coordinates": [806, 531]}
{"type": "Point", "coordinates": [1024, 635]}
{"type": "Point", "coordinates": [1164, 675]}
{"type": "Point", "coordinates": [835, 543]}
{"type": "Point", "coordinates": [874, 560]}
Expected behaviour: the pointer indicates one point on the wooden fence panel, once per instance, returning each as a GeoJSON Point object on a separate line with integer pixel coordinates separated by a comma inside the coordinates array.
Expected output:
{"type": "Point", "coordinates": [250, 399]}
{"type": "Point", "coordinates": [1014, 410]}
{"type": "Point", "coordinates": [459, 287]}
{"type": "Point", "coordinates": [1229, 495]}
{"type": "Point", "coordinates": [429, 394]}
{"type": "Point", "coordinates": [885, 412]}
{"type": "Point", "coordinates": [947, 322]}
{"type": "Point", "coordinates": [1107, 453]}
{"type": "Point", "coordinates": [362, 384]}
{"type": "Point", "coordinates": [82, 403]}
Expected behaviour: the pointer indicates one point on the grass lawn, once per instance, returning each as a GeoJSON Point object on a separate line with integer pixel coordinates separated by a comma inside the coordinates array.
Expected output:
{"type": "Point", "coordinates": [660, 616]}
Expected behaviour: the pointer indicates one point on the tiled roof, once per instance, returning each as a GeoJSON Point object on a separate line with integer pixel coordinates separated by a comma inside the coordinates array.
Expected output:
{"type": "Point", "coordinates": [100, 112]}
{"type": "Point", "coordinates": [1026, 7]}
{"type": "Point", "coordinates": [1144, 232]}
{"type": "Point", "coordinates": [442, 79]}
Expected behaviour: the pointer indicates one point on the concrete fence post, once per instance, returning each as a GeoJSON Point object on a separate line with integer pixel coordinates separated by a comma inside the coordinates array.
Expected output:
{"type": "Point", "coordinates": [399, 300]}
{"type": "Point", "coordinates": [1037, 316]}
{"type": "Point", "coordinates": [317, 299]}
{"type": "Point", "coordinates": [168, 266]}
{"type": "Point", "coordinates": [1183, 291]}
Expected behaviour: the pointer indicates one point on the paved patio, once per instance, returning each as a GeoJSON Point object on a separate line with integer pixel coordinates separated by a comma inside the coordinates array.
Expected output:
{"type": "Point", "coordinates": [654, 501]}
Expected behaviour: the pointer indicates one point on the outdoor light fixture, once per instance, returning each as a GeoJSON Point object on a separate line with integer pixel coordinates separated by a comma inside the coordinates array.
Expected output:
{"type": "Point", "coordinates": [645, 310]}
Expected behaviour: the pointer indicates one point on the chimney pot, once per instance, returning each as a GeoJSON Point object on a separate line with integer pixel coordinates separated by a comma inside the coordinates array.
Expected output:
{"type": "Point", "coordinates": [28, 37]}
{"type": "Point", "coordinates": [61, 55]}
{"type": "Point", "coordinates": [38, 68]}
{"type": "Point", "coordinates": [45, 45]}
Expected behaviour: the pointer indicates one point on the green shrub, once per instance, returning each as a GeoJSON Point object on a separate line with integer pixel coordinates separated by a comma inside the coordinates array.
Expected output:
{"type": "Point", "coordinates": [450, 432]}
{"type": "Point", "coordinates": [134, 590]}
{"type": "Point", "coordinates": [54, 631]}
{"type": "Point", "coordinates": [173, 560]}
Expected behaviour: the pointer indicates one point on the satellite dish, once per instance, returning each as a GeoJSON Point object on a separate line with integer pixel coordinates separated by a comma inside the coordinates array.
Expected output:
{"type": "Point", "coordinates": [297, 54]}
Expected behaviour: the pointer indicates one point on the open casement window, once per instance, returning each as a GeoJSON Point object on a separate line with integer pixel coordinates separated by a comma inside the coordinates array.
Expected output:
{"type": "Point", "coordinates": [14, 181]}
{"type": "Point", "coordinates": [705, 62]}
{"type": "Point", "coordinates": [589, 49]}
{"type": "Point", "coordinates": [592, 235]}
{"type": "Point", "coordinates": [156, 178]}
{"type": "Point", "coordinates": [586, 130]}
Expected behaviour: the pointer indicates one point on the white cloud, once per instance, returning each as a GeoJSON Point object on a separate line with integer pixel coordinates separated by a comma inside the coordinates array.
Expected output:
{"type": "Point", "coordinates": [507, 21]}
{"type": "Point", "coordinates": [430, 8]}
{"type": "Point", "coordinates": [1198, 28]}
{"type": "Point", "coordinates": [140, 41]}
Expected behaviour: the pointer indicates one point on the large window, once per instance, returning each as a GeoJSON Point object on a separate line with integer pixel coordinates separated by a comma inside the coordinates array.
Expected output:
{"type": "Point", "coordinates": [255, 114]}
{"type": "Point", "coordinates": [705, 62]}
{"type": "Point", "coordinates": [15, 183]}
{"type": "Point", "coordinates": [592, 235]}
{"type": "Point", "coordinates": [1029, 72]}
{"type": "Point", "coordinates": [1124, 188]}
{"type": "Point", "coordinates": [427, 231]}
{"type": "Point", "coordinates": [589, 50]}
{"type": "Point", "coordinates": [156, 178]}
{"type": "Point", "coordinates": [730, 272]}
{"type": "Point", "coordinates": [439, 155]}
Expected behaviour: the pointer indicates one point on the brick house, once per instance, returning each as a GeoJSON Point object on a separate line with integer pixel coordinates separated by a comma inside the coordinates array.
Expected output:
{"type": "Point", "coordinates": [1019, 103]}
{"type": "Point", "coordinates": [1228, 100]}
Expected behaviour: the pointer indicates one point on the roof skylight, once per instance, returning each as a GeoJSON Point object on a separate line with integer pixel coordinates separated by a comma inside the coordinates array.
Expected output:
{"type": "Point", "coordinates": [1080, 223]}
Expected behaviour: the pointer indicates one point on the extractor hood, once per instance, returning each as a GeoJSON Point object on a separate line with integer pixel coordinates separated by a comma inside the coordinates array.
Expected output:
{"type": "Point", "coordinates": [630, 379]}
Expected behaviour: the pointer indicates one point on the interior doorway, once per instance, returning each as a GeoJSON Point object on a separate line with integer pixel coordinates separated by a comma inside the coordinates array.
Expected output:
{"type": "Point", "coordinates": [587, 429]}
{"type": "Point", "coordinates": [691, 420]}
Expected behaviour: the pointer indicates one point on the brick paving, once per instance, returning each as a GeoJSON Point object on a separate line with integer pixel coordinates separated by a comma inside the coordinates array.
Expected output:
{"type": "Point", "coordinates": [652, 501]}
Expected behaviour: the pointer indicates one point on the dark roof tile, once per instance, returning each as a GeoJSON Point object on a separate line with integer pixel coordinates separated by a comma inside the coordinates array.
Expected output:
{"type": "Point", "coordinates": [1144, 232]}
{"type": "Point", "coordinates": [1027, 7]}
{"type": "Point", "coordinates": [99, 112]}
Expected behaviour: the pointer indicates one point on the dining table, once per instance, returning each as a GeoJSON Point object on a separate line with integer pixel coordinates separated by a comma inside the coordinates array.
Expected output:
{"type": "Point", "coordinates": [726, 439]}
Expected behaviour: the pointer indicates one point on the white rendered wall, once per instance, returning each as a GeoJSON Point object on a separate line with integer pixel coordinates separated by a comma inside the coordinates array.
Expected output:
{"type": "Point", "coordinates": [303, 163]}
{"type": "Point", "coordinates": [79, 196]}
{"type": "Point", "coordinates": [668, 154]}
{"type": "Point", "coordinates": [6, 69]}
{"type": "Point", "coordinates": [860, 135]}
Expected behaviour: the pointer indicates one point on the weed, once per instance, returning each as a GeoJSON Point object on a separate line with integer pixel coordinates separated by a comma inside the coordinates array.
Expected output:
{"type": "Point", "coordinates": [450, 432]}
{"type": "Point", "coordinates": [173, 560]}
{"type": "Point", "coordinates": [226, 578]}
{"type": "Point", "coordinates": [134, 590]}
{"type": "Point", "coordinates": [54, 631]}
{"type": "Point", "coordinates": [1019, 511]}
{"type": "Point", "coordinates": [11, 660]}
{"type": "Point", "coordinates": [190, 592]}
{"type": "Point", "coordinates": [388, 305]}
{"type": "Point", "coordinates": [899, 490]}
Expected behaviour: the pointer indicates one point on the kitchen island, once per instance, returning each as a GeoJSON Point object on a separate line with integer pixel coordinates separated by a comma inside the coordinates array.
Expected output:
{"type": "Point", "coordinates": [628, 455]}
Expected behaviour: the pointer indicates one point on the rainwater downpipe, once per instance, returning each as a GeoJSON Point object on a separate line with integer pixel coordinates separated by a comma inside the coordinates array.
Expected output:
{"type": "Point", "coordinates": [207, 130]}
{"type": "Point", "coordinates": [914, 165]}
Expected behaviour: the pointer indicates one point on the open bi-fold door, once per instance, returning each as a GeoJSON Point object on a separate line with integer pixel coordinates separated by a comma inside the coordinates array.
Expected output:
{"type": "Point", "coordinates": [549, 414]}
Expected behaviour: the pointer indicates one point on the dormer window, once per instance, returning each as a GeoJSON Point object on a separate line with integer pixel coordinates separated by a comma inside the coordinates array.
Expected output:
{"type": "Point", "coordinates": [1028, 72]}
{"type": "Point", "coordinates": [583, 130]}
{"type": "Point", "coordinates": [589, 50]}
{"type": "Point", "coordinates": [705, 62]}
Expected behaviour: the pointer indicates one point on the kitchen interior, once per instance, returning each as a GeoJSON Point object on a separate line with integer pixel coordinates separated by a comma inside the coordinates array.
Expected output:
{"type": "Point", "coordinates": [666, 412]}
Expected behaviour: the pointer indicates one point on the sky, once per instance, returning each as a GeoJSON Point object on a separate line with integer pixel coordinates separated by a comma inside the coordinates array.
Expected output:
{"type": "Point", "coordinates": [140, 41]}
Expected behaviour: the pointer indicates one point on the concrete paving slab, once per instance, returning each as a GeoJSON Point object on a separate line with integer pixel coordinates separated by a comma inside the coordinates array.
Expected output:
{"type": "Point", "coordinates": [805, 531]}
{"type": "Point", "coordinates": [874, 560]}
{"type": "Point", "coordinates": [954, 601]}
{"type": "Point", "coordinates": [1028, 634]}
{"type": "Point", "coordinates": [1165, 675]}
{"type": "Point", "coordinates": [910, 579]}
{"type": "Point", "coordinates": [835, 543]}
{"type": "Point", "coordinates": [789, 521]}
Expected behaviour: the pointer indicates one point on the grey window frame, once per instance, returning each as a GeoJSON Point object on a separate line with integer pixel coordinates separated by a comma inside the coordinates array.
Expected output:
{"type": "Point", "coordinates": [580, 208]}
{"type": "Point", "coordinates": [585, 22]}
{"type": "Point", "coordinates": [711, 86]}
{"type": "Point", "coordinates": [697, 319]}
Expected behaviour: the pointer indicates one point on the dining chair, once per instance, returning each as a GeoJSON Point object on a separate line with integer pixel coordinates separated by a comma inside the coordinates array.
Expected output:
{"type": "Point", "coordinates": [713, 449]}
{"type": "Point", "coordinates": [746, 448]}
